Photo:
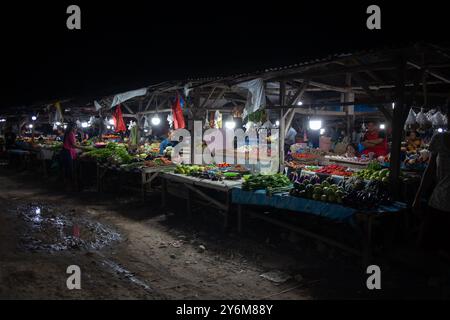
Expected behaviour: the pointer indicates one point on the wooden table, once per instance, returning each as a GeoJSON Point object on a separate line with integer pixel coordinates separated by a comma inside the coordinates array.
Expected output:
{"type": "Point", "coordinates": [196, 186]}
{"type": "Point", "coordinates": [361, 222]}
{"type": "Point", "coordinates": [147, 175]}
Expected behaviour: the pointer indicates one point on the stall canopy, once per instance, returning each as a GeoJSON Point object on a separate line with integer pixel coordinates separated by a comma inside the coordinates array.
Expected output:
{"type": "Point", "coordinates": [122, 97]}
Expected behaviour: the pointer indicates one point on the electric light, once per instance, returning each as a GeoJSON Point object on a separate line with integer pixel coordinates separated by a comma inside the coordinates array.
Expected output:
{"type": "Point", "coordinates": [315, 124]}
{"type": "Point", "coordinates": [230, 124]}
{"type": "Point", "coordinates": [156, 120]}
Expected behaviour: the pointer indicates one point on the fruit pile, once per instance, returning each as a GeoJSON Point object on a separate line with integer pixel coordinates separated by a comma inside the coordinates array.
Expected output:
{"type": "Point", "coordinates": [311, 188]}
{"type": "Point", "coordinates": [335, 169]}
{"type": "Point", "coordinates": [374, 171]}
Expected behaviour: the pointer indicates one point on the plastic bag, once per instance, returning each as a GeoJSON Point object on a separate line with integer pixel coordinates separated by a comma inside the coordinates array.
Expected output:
{"type": "Point", "coordinates": [421, 118]}
{"type": "Point", "coordinates": [267, 125]}
{"type": "Point", "coordinates": [438, 120]}
{"type": "Point", "coordinates": [411, 120]}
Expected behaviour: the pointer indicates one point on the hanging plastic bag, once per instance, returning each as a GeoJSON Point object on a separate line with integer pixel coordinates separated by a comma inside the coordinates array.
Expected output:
{"type": "Point", "coordinates": [421, 118]}
{"type": "Point", "coordinates": [438, 120]}
{"type": "Point", "coordinates": [170, 120]}
{"type": "Point", "coordinates": [267, 125]}
{"type": "Point", "coordinates": [411, 120]}
{"type": "Point", "coordinates": [218, 120]}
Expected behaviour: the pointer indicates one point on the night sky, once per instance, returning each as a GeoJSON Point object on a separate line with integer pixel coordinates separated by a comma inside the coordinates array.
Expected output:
{"type": "Point", "coordinates": [136, 43]}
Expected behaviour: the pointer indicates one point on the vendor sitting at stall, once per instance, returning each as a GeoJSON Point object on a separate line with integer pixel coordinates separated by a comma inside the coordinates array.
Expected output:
{"type": "Point", "coordinates": [374, 141]}
{"type": "Point", "coordinates": [168, 141]}
{"type": "Point", "coordinates": [414, 142]}
{"type": "Point", "coordinates": [350, 151]}
{"type": "Point", "coordinates": [290, 139]}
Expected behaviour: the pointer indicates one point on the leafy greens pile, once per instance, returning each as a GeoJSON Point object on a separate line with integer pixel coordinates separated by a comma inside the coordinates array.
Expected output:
{"type": "Point", "coordinates": [272, 183]}
{"type": "Point", "coordinates": [113, 153]}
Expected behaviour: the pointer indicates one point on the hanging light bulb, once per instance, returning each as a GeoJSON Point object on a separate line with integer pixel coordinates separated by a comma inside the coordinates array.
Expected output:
{"type": "Point", "coordinates": [277, 123]}
{"type": "Point", "coordinates": [111, 121]}
{"type": "Point", "coordinates": [382, 126]}
{"type": "Point", "coordinates": [84, 124]}
{"type": "Point", "coordinates": [230, 124]}
{"type": "Point", "coordinates": [315, 124]}
{"type": "Point", "coordinates": [156, 120]}
{"type": "Point", "coordinates": [34, 118]}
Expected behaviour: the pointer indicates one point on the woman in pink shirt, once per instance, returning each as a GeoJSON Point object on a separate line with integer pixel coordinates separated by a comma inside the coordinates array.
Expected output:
{"type": "Point", "coordinates": [69, 153]}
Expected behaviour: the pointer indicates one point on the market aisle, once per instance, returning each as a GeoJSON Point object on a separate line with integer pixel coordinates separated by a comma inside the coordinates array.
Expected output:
{"type": "Point", "coordinates": [126, 250]}
{"type": "Point", "coordinates": [122, 250]}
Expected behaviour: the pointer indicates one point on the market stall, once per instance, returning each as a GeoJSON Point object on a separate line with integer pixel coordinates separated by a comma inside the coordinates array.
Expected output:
{"type": "Point", "coordinates": [212, 185]}
{"type": "Point", "coordinates": [357, 204]}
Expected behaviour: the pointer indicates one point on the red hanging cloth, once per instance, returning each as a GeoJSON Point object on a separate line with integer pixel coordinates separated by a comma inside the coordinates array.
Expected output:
{"type": "Point", "coordinates": [119, 124]}
{"type": "Point", "coordinates": [177, 113]}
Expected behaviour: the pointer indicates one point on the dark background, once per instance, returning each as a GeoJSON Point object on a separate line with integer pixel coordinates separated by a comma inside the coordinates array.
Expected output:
{"type": "Point", "coordinates": [128, 45]}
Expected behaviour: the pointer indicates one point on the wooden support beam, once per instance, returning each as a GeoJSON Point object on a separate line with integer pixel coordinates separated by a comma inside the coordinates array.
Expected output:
{"type": "Point", "coordinates": [329, 87]}
{"type": "Point", "coordinates": [299, 93]}
{"type": "Point", "coordinates": [128, 108]}
{"type": "Point", "coordinates": [207, 99]}
{"type": "Point", "coordinates": [152, 97]}
{"type": "Point", "coordinates": [295, 99]}
{"type": "Point", "coordinates": [435, 74]}
{"type": "Point", "coordinates": [282, 129]}
{"type": "Point", "coordinates": [220, 96]}
{"type": "Point", "coordinates": [397, 129]}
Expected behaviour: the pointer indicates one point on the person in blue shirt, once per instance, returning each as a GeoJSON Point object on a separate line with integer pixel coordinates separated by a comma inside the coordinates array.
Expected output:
{"type": "Point", "coordinates": [166, 143]}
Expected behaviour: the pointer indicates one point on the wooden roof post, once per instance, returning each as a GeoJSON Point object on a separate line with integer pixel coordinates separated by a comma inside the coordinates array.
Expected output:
{"type": "Point", "coordinates": [397, 129]}
{"type": "Point", "coordinates": [282, 120]}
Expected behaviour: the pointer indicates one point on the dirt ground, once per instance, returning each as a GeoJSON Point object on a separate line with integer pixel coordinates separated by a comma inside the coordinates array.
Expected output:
{"type": "Point", "coordinates": [127, 249]}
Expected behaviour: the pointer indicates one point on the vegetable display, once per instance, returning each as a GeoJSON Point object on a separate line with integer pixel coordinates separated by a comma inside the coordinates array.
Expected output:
{"type": "Point", "coordinates": [272, 183]}
{"type": "Point", "coordinates": [335, 169]}
{"type": "Point", "coordinates": [113, 152]}
{"type": "Point", "coordinates": [365, 196]}
{"type": "Point", "coordinates": [353, 192]}
{"type": "Point", "coordinates": [374, 171]}
{"type": "Point", "coordinates": [311, 188]}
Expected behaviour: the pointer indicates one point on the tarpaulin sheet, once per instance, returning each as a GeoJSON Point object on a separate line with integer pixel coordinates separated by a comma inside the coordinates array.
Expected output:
{"type": "Point", "coordinates": [122, 97]}
{"type": "Point", "coordinates": [331, 211]}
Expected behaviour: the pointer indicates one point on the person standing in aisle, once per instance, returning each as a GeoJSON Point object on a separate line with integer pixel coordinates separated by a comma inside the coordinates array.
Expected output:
{"type": "Point", "coordinates": [69, 155]}
{"type": "Point", "coordinates": [436, 224]}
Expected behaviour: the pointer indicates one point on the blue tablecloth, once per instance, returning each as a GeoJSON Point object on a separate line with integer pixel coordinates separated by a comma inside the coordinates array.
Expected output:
{"type": "Point", "coordinates": [331, 211]}
{"type": "Point", "coordinates": [18, 151]}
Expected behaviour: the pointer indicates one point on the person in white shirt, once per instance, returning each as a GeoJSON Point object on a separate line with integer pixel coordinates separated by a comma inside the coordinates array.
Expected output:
{"type": "Point", "coordinates": [290, 136]}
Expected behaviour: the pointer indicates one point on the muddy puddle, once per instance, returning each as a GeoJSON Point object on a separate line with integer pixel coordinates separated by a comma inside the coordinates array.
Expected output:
{"type": "Point", "coordinates": [51, 228]}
